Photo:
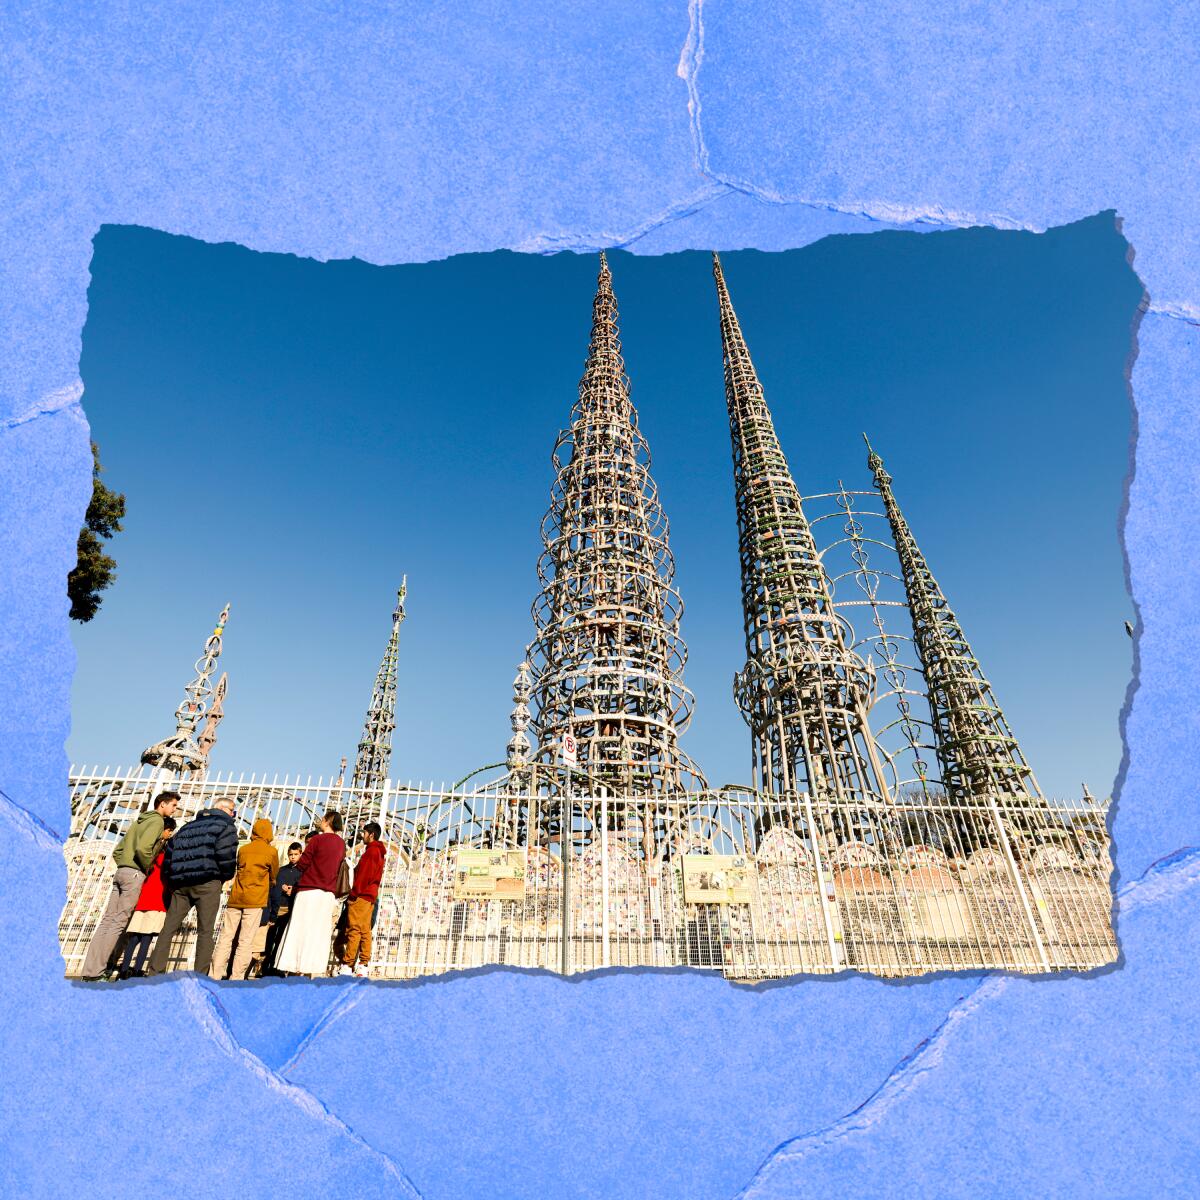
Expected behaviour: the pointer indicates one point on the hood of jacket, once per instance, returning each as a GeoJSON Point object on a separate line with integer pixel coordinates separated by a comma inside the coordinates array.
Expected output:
{"type": "Point", "coordinates": [257, 866]}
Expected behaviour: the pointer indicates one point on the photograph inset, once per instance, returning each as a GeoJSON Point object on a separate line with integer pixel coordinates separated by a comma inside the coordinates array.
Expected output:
{"type": "Point", "coordinates": [890, 821]}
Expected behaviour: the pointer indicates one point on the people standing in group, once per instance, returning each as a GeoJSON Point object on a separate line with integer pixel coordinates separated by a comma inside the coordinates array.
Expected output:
{"type": "Point", "coordinates": [149, 912]}
{"type": "Point", "coordinates": [368, 874]}
{"type": "Point", "coordinates": [200, 858]}
{"type": "Point", "coordinates": [304, 949]}
{"type": "Point", "coordinates": [245, 910]}
{"type": "Point", "coordinates": [280, 906]}
{"type": "Point", "coordinates": [134, 855]}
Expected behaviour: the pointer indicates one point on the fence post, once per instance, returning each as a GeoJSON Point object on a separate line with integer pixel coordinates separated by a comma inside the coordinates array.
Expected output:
{"type": "Point", "coordinates": [565, 844]}
{"type": "Point", "coordinates": [383, 804]}
{"type": "Point", "coordinates": [1016, 874]}
{"type": "Point", "coordinates": [604, 956]}
{"type": "Point", "coordinates": [821, 890]}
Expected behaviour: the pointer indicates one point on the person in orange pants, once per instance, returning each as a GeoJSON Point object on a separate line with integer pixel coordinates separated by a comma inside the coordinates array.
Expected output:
{"type": "Point", "coordinates": [359, 905]}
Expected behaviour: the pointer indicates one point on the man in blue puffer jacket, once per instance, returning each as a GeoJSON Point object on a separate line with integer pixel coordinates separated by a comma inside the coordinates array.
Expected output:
{"type": "Point", "coordinates": [194, 870]}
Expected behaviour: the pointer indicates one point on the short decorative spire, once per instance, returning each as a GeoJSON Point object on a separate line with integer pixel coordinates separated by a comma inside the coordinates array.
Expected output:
{"type": "Point", "coordinates": [375, 746]}
{"type": "Point", "coordinates": [181, 754]}
{"type": "Point", "coordinates": [208, 735]}
{"type": "Point", "coordinates": [979, 755]}
{"type": "Point", "coordinates": [518, 745]}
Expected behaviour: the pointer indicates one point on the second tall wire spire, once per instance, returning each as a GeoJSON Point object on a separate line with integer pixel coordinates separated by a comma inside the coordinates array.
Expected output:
{"type": "Point", "coordinates": [803, 692]}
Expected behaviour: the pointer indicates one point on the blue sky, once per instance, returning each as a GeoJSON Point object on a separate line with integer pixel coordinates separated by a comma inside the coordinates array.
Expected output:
{"type": "Point", "coordinates": [292, 436]}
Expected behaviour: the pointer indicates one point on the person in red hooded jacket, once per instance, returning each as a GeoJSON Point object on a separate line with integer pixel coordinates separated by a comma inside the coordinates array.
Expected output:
{"type": "Point", "coordinates": [368, 874]}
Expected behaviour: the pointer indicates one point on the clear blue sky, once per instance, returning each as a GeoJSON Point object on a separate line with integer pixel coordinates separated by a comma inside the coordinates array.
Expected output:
{"type": "Point", "coordinates": [292, 436]}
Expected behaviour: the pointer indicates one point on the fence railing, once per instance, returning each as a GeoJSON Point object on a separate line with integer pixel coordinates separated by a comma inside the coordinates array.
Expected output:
{"type": "Point", "coordinates": [754, 886]}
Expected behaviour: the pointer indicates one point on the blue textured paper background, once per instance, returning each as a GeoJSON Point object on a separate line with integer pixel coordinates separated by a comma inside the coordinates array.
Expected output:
{"type": "Point", "coordinates": [394, 134]}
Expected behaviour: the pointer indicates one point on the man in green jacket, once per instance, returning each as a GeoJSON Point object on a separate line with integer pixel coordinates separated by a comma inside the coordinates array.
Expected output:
{"type": "Point", "coordinates": [134, 857]}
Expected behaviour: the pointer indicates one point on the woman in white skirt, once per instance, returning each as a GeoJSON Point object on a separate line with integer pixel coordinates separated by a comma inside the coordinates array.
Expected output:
{"type": "Point", "coordinates": [149, 913]}
{"type": "Point", "coordinates": [309, 934]}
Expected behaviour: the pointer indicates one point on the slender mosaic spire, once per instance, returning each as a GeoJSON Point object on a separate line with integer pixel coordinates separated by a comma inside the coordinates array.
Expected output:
{"type": "Point", "coordinates": [208, 735]}
{"type": "Point", "coordinates": [978, 753]}
{"type": "Point", "coordinates": [803, 692]}
{"type": "Point", "coordinates": [518, 758]}
{"type": "Point", "coordinates": [519, 748]}
{"type": "Point", "coordinates": [375, 746]}
{"type": "Point", "coordinates": [182, 754]}
{"type": "Point", "coordinates": [608, 659]}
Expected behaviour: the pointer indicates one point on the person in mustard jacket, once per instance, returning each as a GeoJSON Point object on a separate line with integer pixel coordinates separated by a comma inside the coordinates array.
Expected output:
{"type": "Point", "coordinates": [257, 867]}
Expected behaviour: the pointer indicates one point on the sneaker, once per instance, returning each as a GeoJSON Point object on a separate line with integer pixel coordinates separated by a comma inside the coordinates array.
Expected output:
{"type": "Point", "coordinates": [362, 970]}
{"type": "Point", "coordinates": [345, 970]}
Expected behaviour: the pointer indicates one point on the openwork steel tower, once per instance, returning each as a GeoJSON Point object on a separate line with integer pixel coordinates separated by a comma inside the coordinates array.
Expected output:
{"type": "Point", "coordinates": [803, 693]}
{"type": "Point", "coordinates": [607, 658]}
{"type": "Point", "coordinates": [978, 753]}
{"type": "Point", "coordinates": [183, 754]}
{"type": "Point", "coordinates": [375, 746]}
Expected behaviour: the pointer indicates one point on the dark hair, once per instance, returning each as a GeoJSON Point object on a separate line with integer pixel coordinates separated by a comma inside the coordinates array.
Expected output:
{"type": "Point", "coordinates": [165, 798]}
{"type": "Point", "coordinates": [312, 833]}
{"type": "Point", "coordinates": [168, 823]}
{"type": "Point", "coordinates": [334, 819]}
{"type": "Point", "coordinates": [295, 846]}
{"type": "Point", "coordinates": [373, 828]}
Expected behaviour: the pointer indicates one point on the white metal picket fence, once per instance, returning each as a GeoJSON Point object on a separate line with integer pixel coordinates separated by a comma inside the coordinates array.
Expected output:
{"type": "Point", "coordinates": [732, 881]}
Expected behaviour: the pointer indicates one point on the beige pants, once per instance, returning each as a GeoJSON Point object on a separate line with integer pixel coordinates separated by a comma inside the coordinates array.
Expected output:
{"type": "Point", "coordinates": [242, 924]}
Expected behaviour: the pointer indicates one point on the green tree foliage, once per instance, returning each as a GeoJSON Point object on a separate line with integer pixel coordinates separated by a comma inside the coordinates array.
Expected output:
{"type": "Point", "coordinates": [95, 570]}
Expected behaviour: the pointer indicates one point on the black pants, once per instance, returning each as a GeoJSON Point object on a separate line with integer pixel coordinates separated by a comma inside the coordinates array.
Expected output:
{"type": "Point", "coordinates": [137, 946]}
{"type": "Point", "coordinates": [205, 898]}
{"type": "Point", "coordinates": [274, 937]}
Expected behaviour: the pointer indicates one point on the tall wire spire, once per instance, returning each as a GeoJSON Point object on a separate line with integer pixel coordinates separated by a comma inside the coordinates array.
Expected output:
{"type": "Point", "coordinates": [181, 754]}
{"type": "Point", "coordinates": [803, 692]}
{"type": "Point", "coordinates": [374, 758]}
{"type": "Point", "coordinates": [978, 753]}
{"type": "Point", "coordinates": [607, 658]}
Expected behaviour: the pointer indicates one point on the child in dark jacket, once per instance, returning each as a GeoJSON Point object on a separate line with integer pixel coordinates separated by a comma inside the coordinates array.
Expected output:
{"type": "Point", "coordinates": [280, 907]}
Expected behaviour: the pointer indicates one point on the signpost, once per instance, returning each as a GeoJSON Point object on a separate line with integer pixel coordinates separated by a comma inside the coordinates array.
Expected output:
{"type": "Point", "coordinates": [570, 757]}
{"type": "Point", "coordinates": [604, 952]}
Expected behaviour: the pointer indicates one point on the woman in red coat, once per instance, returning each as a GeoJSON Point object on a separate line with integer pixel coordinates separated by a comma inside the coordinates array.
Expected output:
{"type": "Point", "coordinates": [149, 912]}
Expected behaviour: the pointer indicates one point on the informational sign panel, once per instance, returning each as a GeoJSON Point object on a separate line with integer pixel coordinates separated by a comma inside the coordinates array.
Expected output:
{"type": "Point", "coordinates": [716, 879]}
{"type": "Point", "coordinates": [570, 750]}
{"type": "Point", "coordinates": [489, 874]}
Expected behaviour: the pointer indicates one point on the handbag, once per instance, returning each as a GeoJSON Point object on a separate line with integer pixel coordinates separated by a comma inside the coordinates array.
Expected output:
{"type": "Point", "coordinates": [342, 887]}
